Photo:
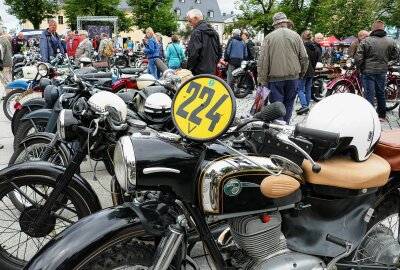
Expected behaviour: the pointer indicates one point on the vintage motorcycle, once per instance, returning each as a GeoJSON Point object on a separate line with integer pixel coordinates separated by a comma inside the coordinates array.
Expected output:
{"type": "Point", "coordinates": [284, 212]}
{"type": "Point", "coordinates": [245, 78]}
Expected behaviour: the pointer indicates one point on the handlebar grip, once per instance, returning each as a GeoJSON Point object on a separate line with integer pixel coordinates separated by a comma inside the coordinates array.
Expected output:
{"type": "Point", "coordinates": [271, 112]}
{"type": "Point", "coordinates": [336, 240]}
{"type": "Point", "coordinates": [316, 134]}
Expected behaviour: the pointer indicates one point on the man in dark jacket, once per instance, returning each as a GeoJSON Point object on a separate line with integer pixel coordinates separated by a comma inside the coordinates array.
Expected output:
{"type": "Point", "coordinates": [235, 52]}
{"type": "Point", "coordinates": [18, 43]}
{"type": "Point", "coordinates": [372, 58]}
{"type": "Point", "coordinates": [250, 46]}
{"type": "Point", "coordinates": [50, 42]}
{"type": "Point", "coordinates": [204, 49]}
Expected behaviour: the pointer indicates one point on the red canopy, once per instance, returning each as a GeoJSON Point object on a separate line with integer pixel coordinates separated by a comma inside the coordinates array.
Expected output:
{"type": "Point", "coordinates": [329, 41]}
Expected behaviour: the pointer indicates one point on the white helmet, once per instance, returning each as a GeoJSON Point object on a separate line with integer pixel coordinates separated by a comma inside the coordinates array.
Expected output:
{"type": "Point", "coordinates": [158, 104]}
{"type": "Point", "coordinates": [100, 100]}
{"type": "Point", "coordinates": [142, 84]}
{"type": "Point", "coordinates": [353, 118]}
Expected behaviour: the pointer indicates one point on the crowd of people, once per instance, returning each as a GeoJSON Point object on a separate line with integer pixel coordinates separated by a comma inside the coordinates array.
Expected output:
{"type": "Point", "coordinates": [286, 61]}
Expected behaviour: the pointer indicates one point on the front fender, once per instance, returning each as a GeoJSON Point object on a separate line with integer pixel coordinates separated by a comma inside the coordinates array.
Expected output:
{"type": "Point", "coordinates": [77, 242]}
{"type": "Point", "coordinates": [52, 171]}
{"type": "Point", "coordinates": [18, 84]}
{"type": "Point", "coordinates": [41, 113]}
{"type": "Point", "coordinates": [337, 80]}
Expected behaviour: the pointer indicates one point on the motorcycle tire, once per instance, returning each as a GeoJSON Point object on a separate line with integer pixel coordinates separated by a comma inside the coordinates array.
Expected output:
{"type": "Point", "coordinates": [392, 96]}
{"type": "Point", "coordinates": [27, 128]}
{"type": "Point", "coordinates": [31, 151]}
{"type": "Point", "coordinates": [9, 102]}
{"type": "Point", "coordinates": [143, 65]}
{"type": "Point", "coordinates": [20, 245]}
{"type": "Point", "coordinates": [118, 253]}
{"type": "Point", "coordinates": [242, 92]}
{"type": "Point", "coordinates": [340, 87]}
{"type": "Point", "coordinates": [16, 119]}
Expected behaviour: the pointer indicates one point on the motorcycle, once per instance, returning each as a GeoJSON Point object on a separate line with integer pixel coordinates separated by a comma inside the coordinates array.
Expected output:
{"type": "Point", "coordinates": [222, 69]}
{"type": "Point", "coordinates": [282, 211]}
{"type": "Point", "coordinates": [245, 78]}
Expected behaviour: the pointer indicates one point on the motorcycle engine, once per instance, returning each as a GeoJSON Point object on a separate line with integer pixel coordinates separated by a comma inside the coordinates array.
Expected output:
{"type": "Point", "coordinates": [262, 246]}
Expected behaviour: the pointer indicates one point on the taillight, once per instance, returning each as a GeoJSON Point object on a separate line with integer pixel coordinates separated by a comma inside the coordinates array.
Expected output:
{"type": "Point", "coordinates": [17, 106]}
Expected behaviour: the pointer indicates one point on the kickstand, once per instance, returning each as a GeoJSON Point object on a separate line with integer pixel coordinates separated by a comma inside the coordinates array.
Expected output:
{"type": "Point", "coordinates": [94, 172]}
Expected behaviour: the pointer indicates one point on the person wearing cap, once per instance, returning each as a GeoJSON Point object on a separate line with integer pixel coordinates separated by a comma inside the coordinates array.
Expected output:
{"type": "Point", "coordinates": [283, 60]}
{"type": "Point", "coordinates": [50, 42]}
{"type": "Point", "coordinates": [236, 51]}
{"type": "Point", "coordinates": [84, 48]}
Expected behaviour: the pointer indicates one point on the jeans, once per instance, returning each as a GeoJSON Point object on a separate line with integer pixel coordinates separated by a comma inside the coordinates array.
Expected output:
{"type": "Point", "coordinates": [285, 92]}
{"type": "Point", "coordinates": [304, 91]}
{"type": "Point", "coordinates": [152, 67]}
{"type": "Point", "coordinates": [229, 79]}
{"type": "Point", "coordinates": [374, 85]}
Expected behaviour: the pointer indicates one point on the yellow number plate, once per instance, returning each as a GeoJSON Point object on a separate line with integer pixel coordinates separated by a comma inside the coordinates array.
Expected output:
{"type": "Point", "coordinates": [203, 108]}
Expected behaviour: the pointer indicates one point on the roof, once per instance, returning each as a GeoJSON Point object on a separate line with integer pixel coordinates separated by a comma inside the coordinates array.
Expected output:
{"type": "Point", "coordinates": [205, 6]}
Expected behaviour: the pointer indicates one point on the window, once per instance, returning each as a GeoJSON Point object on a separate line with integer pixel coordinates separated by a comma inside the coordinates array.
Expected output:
{"type": "Point", "coordinates": [198, 1]}
{"type": "Point", "coordinates": [178, 12]}
{"type": "Point", "coordinates": [60, 19]}
{"type": "Point", "coordinates": [211, 14]}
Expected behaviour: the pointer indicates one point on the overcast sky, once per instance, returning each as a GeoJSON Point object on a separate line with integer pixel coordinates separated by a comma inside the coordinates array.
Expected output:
{"type": "Point", "coordinates": [11, 22]}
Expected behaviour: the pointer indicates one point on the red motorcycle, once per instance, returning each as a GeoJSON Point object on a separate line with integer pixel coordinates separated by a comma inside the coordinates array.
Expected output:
{"type": "Point", "coordinates": [222, 69]}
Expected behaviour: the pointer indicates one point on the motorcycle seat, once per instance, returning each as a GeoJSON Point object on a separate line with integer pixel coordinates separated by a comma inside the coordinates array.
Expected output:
{"type": "Point", "coordinates": [95, 75]}
{"type": "Point", "coordinates": [343, 172]}
{"type": "Point", "coordinates": [389, 148]}
{"type": "Point", "coordinates": [85, 70]}
{"type": "Point", "coordinates": [131, 70]}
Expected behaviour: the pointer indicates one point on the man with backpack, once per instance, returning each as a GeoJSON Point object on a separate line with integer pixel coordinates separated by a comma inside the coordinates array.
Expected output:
{"type": "Point", "coordinates": [235, 52]}
{"type": "Point", "coordinates": [105, 48]}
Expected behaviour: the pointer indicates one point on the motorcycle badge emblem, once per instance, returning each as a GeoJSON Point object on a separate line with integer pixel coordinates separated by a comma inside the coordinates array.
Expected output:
{"type": "Point", "coordinates": [233, 187]}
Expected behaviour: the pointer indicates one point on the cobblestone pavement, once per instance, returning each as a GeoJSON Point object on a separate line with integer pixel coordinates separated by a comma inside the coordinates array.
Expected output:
{"type": "Point", "coordinates": [102, 185]}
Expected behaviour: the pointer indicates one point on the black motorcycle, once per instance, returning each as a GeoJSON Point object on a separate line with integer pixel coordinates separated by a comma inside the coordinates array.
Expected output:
{"type": "Point", "coordinates": [245, 78]}
{"type": "Point", "coordinates": [284, 211]}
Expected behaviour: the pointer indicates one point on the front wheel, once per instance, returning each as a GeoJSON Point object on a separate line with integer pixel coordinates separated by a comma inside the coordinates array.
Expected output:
{"type": "Point", "coordinates": [242, 86]}
{"type": "Point", "coordinates": [9, 101]}
{"type": "Point", "coordinates": [19, 240]}
{"type": "Point", "coordinates": [318, 92]}
{"type": "Point", "coordinates": [340, 87]}
{"type": "Point", "coordinates": [392, 96]}
{"type": "Point", "coordinates": [29, 127]}
{"type": "Point", "coordinates": [120, 253]}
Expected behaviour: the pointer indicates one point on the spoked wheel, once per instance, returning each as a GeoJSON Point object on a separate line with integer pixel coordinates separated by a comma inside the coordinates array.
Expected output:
{"type": "Point", "coordinates": [19, 238]}
{"type": "Point", "coordinates": [381, 243]}
{"type": "Point", "coordinates": [9, 101]}
{"type": "Point", "coordinates": [29, 127]}
{"type": "Point", "coordinates": [242, 87]}
{"type": "Point", "coordinates": [392, 96]}
{"type": "Point", "coordinates": [318, 90]}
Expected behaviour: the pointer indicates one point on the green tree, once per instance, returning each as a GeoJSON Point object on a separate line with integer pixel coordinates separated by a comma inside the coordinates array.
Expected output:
{"type": "Point", "coordinates": [256, 14]}
{"type": "Point", "coordinates": [155, 14]}
{"type": "Point", "coordinates": [34, 11]}
{"type": "Point", "coordinates": [74, 8]}
{"type": "Point", "coordinates": [389, 12]}
{"type": "Point", "coordinates": [185, 32]}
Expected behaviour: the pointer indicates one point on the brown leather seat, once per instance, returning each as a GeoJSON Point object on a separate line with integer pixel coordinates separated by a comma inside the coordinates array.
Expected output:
{"type": "Point", "coordinates": [389, 148]}
{"type": "Point", "coordinates": [343, 172]}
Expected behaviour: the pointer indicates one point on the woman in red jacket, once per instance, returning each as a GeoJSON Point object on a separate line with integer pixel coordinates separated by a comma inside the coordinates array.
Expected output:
{"type": "Point", "coordinates": [72, 43]}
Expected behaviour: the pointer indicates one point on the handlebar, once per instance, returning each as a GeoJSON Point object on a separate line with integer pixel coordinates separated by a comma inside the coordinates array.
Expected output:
{"type": "Point", "coordinates": [316, 134]}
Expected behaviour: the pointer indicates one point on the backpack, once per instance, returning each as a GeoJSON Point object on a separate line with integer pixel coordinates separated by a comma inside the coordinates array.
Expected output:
{"type": "Point", "coordinates": [108, 50]}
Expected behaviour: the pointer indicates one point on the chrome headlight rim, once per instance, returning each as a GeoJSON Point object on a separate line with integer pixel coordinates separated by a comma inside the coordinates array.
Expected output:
{"type": "Point", "coordinates": [61, 125]}
{"type": "Point", "coordinates": [243, 64]}
{"type": "Point", "coordinates": [43, 69]}
{"type": "Point", "coordinates": [125, 163]}
{"type": "Point", "coordinates": [349, 63]}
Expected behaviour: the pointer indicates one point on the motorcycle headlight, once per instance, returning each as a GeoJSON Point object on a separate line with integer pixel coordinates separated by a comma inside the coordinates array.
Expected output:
{"type": "Point", "coordinates": [65, 126]}
{"type": "Point", "coordinates": [243, 64]}
{"type": "Point", "coordinates": [125, 163]}
{"type": "Point", "coordinates": [43, 69]}
{"type": "Point", "coordinates": [349, 63]}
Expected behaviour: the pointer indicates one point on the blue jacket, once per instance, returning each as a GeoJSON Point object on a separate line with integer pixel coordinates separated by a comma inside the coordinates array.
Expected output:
{"type": "Point", "coordinates": [49, 47]}
{"type": "Point", "coordinates": [151, 50]}
{"type": "Point", "coordinates": [174, 57]}
{"type": "Point", "coordinates": [236, 50]}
